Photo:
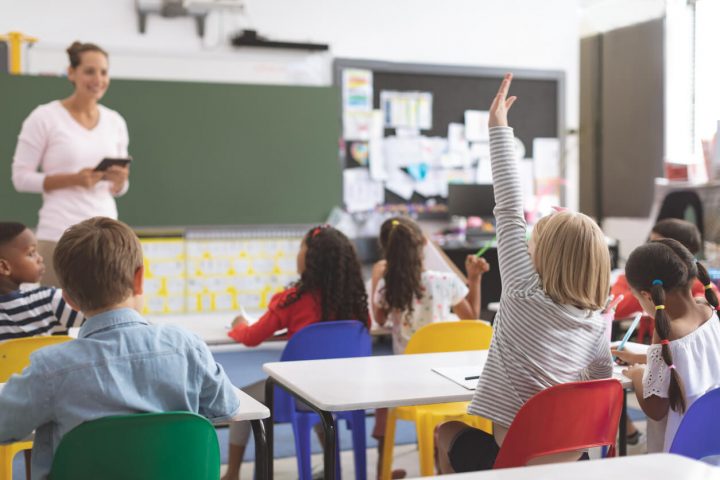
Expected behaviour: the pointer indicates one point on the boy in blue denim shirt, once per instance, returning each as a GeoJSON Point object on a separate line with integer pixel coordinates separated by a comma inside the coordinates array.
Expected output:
{"type": "Point", "coordinates": [119, 364]}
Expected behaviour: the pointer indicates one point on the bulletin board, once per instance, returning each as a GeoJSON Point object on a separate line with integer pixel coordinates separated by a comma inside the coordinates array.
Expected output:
{"type": "Point", "coordinates": [537, 118]}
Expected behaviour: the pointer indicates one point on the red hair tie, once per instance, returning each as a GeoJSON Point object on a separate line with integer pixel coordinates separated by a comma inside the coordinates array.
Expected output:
{"type": "Point", "coordinates": [665, 342]}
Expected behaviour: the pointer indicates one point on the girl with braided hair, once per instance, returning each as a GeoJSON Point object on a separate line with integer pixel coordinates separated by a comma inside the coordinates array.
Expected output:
{"type": "Point", "coordinates": [330, 288]}
{"type": "Point", "coordinates": [683, 362]}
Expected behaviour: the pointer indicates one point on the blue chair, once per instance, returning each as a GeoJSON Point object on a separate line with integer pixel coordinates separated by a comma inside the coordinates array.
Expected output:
{"type": "Point", "coordinates": [698, 435]}
{"type": "Point", "coordinates": [323, 340]}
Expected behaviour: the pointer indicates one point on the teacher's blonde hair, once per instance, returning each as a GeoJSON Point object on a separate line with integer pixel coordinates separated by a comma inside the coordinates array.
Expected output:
{"type": "Point", "coordinates": [572, 258]}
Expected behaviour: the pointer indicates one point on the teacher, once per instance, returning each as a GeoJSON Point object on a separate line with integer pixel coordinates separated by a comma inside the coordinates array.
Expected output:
{"type": "Point", "coordinates": [59, 146]}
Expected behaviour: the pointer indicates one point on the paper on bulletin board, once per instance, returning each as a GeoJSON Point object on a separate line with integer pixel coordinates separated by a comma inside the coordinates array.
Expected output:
{"type": "Point", "coordinates": [484, 171]}
{"type": "Point", "coordinates": [375, 145]}
{"type": "Point", "coordinates": [456, 137]}
{"type": "Point", "coordinates": [400, 184]}
{"type": "Point", "coordinates": [546, 154]}
{"type": "Point", "coordinates": [406, 109]}
{"type": "Point", "coordinates": [476, 125]}
{"type": "Point", "coordinates": [360, 192]}
{"type": "Point", "coordinates": [357, 125]}
{"type": "Point", "coordinates": [357, 87]}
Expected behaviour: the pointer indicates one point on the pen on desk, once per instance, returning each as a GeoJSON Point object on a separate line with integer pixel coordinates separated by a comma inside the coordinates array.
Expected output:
{"type": "Point", "coordinates": [474, 377]}
{"type": "Point", "coordinates": [629, 332]}
{"type": "Point", "coordinates": [485, 247]}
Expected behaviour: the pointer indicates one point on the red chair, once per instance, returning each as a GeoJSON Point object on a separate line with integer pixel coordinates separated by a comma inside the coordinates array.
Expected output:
{"type": "Point", "coordinates": [563, 418]}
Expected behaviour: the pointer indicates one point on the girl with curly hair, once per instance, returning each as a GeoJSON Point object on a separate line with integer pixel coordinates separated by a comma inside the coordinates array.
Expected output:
{"type": "Point", "coordinates": [330, 288]}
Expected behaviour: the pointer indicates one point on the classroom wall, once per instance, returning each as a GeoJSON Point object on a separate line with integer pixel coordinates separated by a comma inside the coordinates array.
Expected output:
{"type": "Point", "coordinates": [496, 33]}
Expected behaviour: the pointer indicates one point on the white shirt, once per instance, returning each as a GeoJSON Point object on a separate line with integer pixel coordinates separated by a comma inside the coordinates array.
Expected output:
{"type": "Point", "coordinates": [441, 292]}
{"type": "Point", "coordinates": [53, 142]}
{"type": "Point", "coordinates": [696, 357]}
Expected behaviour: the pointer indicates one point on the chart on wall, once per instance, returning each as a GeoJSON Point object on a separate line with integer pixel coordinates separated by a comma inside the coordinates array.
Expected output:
{"type": "Point", "coordinates": [205, 274]}
{"type": "Point", "coordinates": [410, 130]}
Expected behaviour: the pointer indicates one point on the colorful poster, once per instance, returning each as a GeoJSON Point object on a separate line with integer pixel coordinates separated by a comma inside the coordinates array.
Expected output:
{"type": "Point", "coordinates": [357, 88]}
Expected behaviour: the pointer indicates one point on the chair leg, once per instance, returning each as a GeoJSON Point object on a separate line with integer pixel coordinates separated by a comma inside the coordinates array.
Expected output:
{"type": "Point", "coordinates": [359, 444]}
{"type": "Point", "coordinates": [301, 430]}
{"type": "Point", "coordinates": [6, 462]}
{"type": "Point", "coordinates": [28, 460]}
{"type": "Point", "coordinates": [424, 425]}
{"type": "Point", "coordinates": [388, 445]}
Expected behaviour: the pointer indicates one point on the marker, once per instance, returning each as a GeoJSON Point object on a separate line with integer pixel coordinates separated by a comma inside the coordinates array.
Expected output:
{"type": "Point", "coordinates": [485, 247]}
{"type": "Point", "coordinates": [630, 331]}
{"type": "Point", "coordinates": [474, 377]}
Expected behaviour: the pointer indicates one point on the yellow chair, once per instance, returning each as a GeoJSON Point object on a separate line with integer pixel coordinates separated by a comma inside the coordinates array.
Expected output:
{"type": "Point", "coordinates": [432, 338]}
{"type": "Point", "coordinates": [14, 357]}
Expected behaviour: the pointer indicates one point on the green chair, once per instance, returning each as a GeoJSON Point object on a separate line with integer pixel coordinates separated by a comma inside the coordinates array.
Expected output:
{"type": "Point", "coordinates": [144, 446]}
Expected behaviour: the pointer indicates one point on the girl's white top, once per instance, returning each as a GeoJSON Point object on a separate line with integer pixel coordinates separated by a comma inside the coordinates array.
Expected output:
{"type": "Point", "coordinates": [696, 357]}
{"type": "Point", "coordinates": [52, 142]}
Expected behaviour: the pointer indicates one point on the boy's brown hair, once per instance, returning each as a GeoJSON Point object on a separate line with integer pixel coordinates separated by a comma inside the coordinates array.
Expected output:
{"type": "Point", "coordinates": [572, 259]}
{"type": "Point", "coordinates": [96, 261]}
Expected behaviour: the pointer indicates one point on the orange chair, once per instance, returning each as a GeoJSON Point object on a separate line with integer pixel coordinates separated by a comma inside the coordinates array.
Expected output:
{"type": "Point", "coordinates": [433, 338]}
{"type": "Point", "coordinates": [564, 418]}
{"type": "Point", "coordinates": [14, 357]}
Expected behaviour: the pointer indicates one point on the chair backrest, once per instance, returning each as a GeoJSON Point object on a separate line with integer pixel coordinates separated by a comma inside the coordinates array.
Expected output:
{"type": "Point", "coordinates": [698, 435]}
{"type": "Point", "coordinates": [322, 340]}
{"type": "Point", "coordinates": [15, 354]}
{"type": "Point", "coordinates": [451, 337]}
{"type": "Point", "coordinates": [563, 418]}
{"type": "Point", "coordinates": [144, 446]}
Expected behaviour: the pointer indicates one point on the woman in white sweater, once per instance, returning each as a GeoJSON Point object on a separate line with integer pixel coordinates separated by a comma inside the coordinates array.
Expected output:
{"type": "Point", "coordinates": [59, 146]}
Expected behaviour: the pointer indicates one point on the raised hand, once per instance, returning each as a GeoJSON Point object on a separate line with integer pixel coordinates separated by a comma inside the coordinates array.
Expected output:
{"type": "Point", "coordinates": [476, 266]}
{"type": "Point", "coordinates": [501, 104]}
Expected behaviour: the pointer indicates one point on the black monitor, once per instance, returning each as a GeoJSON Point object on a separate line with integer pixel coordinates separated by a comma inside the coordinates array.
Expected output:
{"type": "Point", "coordinates": [471, 200]}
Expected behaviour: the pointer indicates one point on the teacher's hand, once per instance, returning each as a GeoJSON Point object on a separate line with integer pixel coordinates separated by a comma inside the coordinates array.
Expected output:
{"type": "Point", "coordinates": [87, 177]}
{"type": "Point", "coordinates": [117, 176]}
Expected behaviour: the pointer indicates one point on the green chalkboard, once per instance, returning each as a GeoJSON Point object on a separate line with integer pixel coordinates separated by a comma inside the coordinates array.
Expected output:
{"type": "Point", "coordinates": [205, 154]}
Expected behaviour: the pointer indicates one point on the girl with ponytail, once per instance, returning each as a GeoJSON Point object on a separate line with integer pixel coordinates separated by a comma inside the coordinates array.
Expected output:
{"type": "Point", "coordinates": [410, 297]}
{"type": "Point", "coordinates": [683, 363]}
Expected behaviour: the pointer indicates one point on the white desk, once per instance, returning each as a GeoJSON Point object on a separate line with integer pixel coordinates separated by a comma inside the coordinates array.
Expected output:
{"type": "Point", "coordinates": [658, 466]}
{"type": "Point", "coordinates": [213, 328]}
{"type": "Point", "coordinates": [369, 382]}
{"type": "Point", "coordinates": [255, 412]}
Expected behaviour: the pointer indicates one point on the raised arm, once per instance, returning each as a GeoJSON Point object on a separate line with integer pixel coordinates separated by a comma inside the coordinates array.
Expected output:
{"type": "Point", "coordinates": [516, 268]}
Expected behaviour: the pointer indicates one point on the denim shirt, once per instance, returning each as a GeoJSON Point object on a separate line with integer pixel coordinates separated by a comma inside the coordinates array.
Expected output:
{"type": "Point", "coordinates": [118, 365]}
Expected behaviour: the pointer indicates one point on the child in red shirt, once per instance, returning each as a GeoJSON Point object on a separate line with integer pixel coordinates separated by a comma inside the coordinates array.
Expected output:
{"type": "Point", "coordinates": [330, 288]}
{"type": "Point", "coordinates": [684, 232]}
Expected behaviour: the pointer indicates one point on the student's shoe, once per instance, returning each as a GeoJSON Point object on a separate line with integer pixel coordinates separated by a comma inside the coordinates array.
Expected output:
{"type": "Point", "coordinates": [634, 438]}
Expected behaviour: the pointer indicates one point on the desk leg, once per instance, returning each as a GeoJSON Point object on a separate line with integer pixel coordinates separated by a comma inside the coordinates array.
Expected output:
{"type": "Point", "coordinates": [330, 429]}
{"type": "Point", "coordinates": [622, 442]}
{"type": "Point", "coordinates": [270, 424]}
{"type": "Point", "coordinates": [261, 459]}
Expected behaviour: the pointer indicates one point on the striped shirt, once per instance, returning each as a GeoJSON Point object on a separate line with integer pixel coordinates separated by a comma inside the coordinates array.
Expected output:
{"type": "Point", "coordinates": [40, 311]}
{"type": "Point", "coordinates": [536, 342]}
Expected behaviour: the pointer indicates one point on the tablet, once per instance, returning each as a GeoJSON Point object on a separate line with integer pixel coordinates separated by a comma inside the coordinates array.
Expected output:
{"type": "Point", "coordinates": [109, 162]}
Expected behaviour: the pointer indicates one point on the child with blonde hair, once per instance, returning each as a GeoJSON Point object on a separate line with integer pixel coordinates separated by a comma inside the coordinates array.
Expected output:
{"type": "Point", "coordinates": [548, 329]}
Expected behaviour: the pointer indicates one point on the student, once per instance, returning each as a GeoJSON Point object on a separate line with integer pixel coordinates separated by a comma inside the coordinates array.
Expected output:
{"type": "Point", "coordinates": [330, 288]}
{"type": "Point", "coordinates": [37, 311]}
{"type": "Point", "coordinates": [119, 364]}
{"type": "Point", "coordinates": [683, 363]}
{"type": "Point", "coordinates": [684, 232]}
{"type": "Point", "coordinates": [410, 297]}
{"type": "Point", "coordinates": [548, 329]}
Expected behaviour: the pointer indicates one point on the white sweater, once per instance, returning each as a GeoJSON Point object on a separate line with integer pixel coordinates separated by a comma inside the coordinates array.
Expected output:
{"type": "Point", "coordinates": [52, 142]}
